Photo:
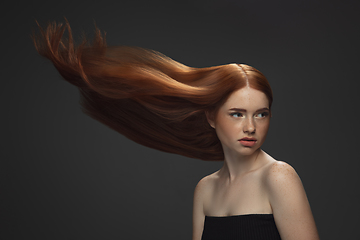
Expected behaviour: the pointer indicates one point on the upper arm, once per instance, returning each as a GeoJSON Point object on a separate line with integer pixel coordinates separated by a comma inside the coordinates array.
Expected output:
{"type": "Point", "coordinates": [198, 210]}
{"type": "Point", "coordinates": [290, 206]}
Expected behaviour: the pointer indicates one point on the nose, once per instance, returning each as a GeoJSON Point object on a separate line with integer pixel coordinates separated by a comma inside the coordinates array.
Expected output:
{"type": "Point", "coordinates": [249, 126]}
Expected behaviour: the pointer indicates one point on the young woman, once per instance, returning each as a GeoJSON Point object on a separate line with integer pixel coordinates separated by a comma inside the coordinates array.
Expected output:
{"type": "Point", "coordinates": [219, 113]}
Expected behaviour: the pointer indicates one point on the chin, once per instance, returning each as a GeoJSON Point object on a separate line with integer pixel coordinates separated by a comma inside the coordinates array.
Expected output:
{"type": "Point", "coordinates": [241, 150]}
{"type": "Point", "coordinates": [247, 151]}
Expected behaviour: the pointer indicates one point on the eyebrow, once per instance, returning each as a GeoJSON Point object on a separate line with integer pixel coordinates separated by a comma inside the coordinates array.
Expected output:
{"type": "Point", "coordinates": [244, 110]}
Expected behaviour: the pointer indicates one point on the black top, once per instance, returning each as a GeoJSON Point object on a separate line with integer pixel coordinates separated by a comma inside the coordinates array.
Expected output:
{"type": "Point", "coordinates": [247, 227]}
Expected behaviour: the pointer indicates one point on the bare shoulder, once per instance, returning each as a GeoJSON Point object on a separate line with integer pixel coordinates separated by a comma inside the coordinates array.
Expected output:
{"type": "Point", "coordinates": [280, 167]}
{"type": "Point", "coordinates": [280, 172]}
{"type": "Point", "coordinates": [289, 202]}
{"type": "Point", "coordinates": [206, 183]}
{"type": "Point", "coordinates": [282, 180]}
{"type": "Point", "coordinates": [202, 192]}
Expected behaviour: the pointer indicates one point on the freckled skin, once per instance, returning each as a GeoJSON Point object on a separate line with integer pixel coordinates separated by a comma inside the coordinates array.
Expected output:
{"type": "Point", "coordinates": [251, 181]}
{"type": "Point", "coordinates": [230, 129]}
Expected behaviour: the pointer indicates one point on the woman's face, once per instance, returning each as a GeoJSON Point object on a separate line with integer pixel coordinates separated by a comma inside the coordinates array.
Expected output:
{"type": "Point", "coordinates": [243, 121]}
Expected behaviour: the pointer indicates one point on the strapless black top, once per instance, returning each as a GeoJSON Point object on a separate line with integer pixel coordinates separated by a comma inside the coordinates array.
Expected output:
{"type": "Point", "coordinates": [238, 227]}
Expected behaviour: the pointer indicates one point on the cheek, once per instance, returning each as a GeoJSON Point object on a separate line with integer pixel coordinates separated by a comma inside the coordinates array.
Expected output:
{"type": "Point", "coordinates": [224, 132]}
{"type": "Point", "coordinates": [225, 136]}
{"type": "Point", "coordinates": [227, 129]}
{"type": "Point", "coordinates": [263, 127]}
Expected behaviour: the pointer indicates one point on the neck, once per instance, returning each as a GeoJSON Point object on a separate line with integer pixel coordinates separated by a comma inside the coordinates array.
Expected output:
{"type": "Point", "coordinates": [236, 165]}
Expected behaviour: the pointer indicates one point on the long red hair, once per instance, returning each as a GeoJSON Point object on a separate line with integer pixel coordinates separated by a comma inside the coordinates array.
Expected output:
{"type": "Point", "coordinates": [145, 95]}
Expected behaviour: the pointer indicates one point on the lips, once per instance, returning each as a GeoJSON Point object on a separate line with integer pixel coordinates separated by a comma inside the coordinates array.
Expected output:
{"type": "Point", "coordinates": [248, 142]}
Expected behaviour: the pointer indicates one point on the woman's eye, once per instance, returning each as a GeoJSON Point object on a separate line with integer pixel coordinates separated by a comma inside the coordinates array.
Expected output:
{"type": "Point", "coordinates": [236, 115]}
{"type": "Point", "coordinates": [261, 115]}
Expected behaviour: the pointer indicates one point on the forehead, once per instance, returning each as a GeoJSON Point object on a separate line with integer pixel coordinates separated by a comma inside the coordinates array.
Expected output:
{"type": "Point", "coordinates": [247, 98]}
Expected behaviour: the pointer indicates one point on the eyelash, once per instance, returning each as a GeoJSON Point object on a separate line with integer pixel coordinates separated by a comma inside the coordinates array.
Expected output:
{"type": "Point", "coordinates": [240, 114]}
{"type": "Point", "coordinates": [235, 113]}
{"type": "Point", "coordinates": [264, 114]}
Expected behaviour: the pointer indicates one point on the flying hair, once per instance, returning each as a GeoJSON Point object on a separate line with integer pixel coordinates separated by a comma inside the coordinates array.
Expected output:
{"type": "Point", "coordinates": [144, 95]}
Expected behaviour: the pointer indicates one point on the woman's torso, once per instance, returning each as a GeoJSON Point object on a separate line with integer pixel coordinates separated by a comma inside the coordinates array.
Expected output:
{"type": "Point", "coordinates": [239, 209]}
{"type": "Point", "coordinates": [244, 195]}
{"type": "Point", "coordinates": [241, 227]}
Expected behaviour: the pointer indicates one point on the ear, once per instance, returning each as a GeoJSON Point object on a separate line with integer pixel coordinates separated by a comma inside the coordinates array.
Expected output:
{"type": "Point", "coordinates": [210, 118]}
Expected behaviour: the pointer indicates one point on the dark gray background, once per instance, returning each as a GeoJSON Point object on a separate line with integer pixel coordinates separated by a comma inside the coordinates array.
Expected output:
{"type": "Point", "coordinates": [66, 176]}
